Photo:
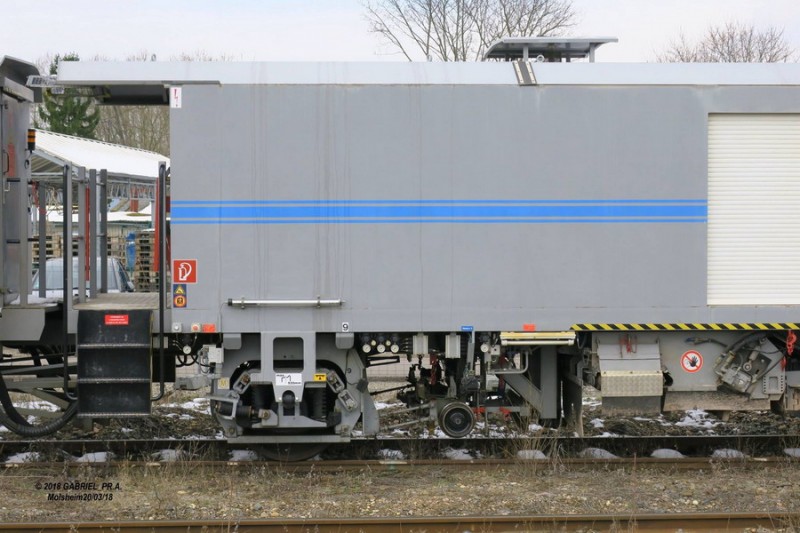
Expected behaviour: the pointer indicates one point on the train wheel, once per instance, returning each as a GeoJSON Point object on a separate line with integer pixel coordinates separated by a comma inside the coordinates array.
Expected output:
{"type": "Point", "coordinates": [457, 419]}
{"type": "Point", "coordinates": [33, 402]}
{"type": "Point", "coordinates": [290, 452]}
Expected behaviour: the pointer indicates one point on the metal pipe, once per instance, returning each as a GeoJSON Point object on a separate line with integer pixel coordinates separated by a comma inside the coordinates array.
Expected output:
{"type": "Point", "coordinates": [565, 342]}
{"type": "Point", "coordinates": [242, 303]}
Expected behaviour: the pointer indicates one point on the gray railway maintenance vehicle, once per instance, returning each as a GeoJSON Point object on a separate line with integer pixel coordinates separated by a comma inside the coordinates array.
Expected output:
{"type": "Point", "coordinates": [514, 229]}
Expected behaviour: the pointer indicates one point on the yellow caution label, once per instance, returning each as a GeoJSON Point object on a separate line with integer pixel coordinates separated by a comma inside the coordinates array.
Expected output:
{"type": "Point", "coordinates": [223, 383]}
{"type": "Point", "coordinates": [739, 326]}
{"type": "Point", "coordinates": [320, 377]}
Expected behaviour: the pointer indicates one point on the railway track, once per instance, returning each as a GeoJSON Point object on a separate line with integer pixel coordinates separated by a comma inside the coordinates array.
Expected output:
{"type": "Point", "coordinates": [375, 466]}
{"type": "Point", "coordinates": [561, 447]}
{"type": "Point", "coordinates": [609, 522]}
{"type": "Point", "coordinates": [413, 489]}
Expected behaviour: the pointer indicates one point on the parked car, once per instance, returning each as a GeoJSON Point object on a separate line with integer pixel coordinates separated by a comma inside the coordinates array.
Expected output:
{"type": "Point", "coordinates": [118, 280]}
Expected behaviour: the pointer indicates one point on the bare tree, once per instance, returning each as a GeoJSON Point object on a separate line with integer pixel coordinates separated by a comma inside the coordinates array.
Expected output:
{"type": "Point", "coordinates": [731, 43]}
{"type": "Point", "coordinates": [137, 126]}
{"type": "Point", "coordinates": [462, 30]}
{"type": "Point", "coordinates": [145, 127]}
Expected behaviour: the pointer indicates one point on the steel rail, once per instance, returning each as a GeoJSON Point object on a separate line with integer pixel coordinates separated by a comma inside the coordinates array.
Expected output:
{"type": "Point", "coordinates": [560, 447]}
{"type": "Point", "coordinates": [650, 464]}
{"type": "Point", "coordinates": [648, 522]}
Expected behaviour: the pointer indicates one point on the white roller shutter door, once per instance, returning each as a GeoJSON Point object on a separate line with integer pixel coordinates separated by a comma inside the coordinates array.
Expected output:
{"type": "Point", "coordinates": [754, 209]}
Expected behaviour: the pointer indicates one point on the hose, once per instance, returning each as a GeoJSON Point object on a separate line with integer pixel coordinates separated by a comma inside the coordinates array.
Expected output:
{"type": "Point", "coordinates": [10, 417]}
{"type": "Point", "coordinates": [734, 348]}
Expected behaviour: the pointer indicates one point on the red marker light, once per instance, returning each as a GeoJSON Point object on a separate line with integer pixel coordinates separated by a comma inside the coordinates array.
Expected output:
{"type": "Point", "coordinates": [528, 327]}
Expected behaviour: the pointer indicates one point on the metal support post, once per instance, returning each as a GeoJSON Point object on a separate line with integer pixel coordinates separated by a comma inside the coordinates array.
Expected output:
{"type": "Point", "coordinates": [81, 235]}
{"type": "Point", "coordinates": [23, 237]}
{"type": "Point", "coordinates": [41, 198]}
{"type": "Point", "coordinates": [67, 246]}
{"type": "Point", "coordinates": [103, 230]}
{"type": "Point", "coordinates": [94, 252]}
{"type": "Point", "coordinates": [3, 265]}
{"type": "Point", "coordinates": [161, 205]}
{"type": "Point", "coordinates": [67, 272]}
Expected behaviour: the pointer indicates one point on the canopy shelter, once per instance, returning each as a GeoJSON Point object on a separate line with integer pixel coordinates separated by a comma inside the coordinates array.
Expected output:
{"type": "Point", "coordinates": [131, 172]}
{"type": "Point", "coordinates": [548, 48]}
{"type": "Point", "coordinates": [97, 173]}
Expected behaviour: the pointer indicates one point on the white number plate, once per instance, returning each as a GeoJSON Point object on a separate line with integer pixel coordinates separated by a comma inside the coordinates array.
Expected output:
{"type": "Point", "coordinates": [288, 379]}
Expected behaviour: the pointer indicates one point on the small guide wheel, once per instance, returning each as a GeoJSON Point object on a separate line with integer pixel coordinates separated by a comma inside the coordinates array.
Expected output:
{"type": "Point", "coordinates": [457, 419]}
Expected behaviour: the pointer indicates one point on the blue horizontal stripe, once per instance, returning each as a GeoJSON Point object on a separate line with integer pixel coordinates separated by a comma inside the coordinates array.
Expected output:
{"type": "Point", "coordinates": [505, 211]}
{"type": "Point", "coordinates": [219, 214]}
{"type": "Point", "coordinates": [218, 203]}
{"type": "Point", "coordinates": [447, 221]}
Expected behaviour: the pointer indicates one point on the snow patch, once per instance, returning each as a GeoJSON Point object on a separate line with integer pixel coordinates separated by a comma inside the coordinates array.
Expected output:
{"type": "Point", "coordinates": [199, 437]}
{"type": "Point", "coordinates": [530, 455]}
{"type": "Point", "coordinates": [480, 430]}
{"type": "Point", "coordinates": [393, 455]}
{"type": "Point", "coordinates": [727, 453]}
{"type": "Point", "coordinates": [23, 457]}
{"type": "Point", "coordinates": [596, 453]}
{"type": "Point", "coordinates": [459, 454]}
{"type": "Point", "coordinates": [384, 405]}
{"type": "Point", "coordinates": [170, 456]}
{"type": "Point", "coordinates": [596, 423]}
{"type": "Point", "coordinates": [243, 455]}
{"type": "Point", "coordinates": [37, 405]}
{"type": "Point", "coordinates": [591, 402]}
{"type": "Point", "coordinates": [95, 457]}
{"type": "Point", "coordinates": [200, 405]}
{"type": "Point", "coordinates": [792, 452]}
{"type": "Point", "coordinates": [697, 418]}
{"type": "Point", "coordinates": [666, 453]}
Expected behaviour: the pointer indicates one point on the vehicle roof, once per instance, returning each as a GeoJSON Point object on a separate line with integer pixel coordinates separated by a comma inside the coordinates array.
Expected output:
{"type": "Point", "coordinates": [160, 74]}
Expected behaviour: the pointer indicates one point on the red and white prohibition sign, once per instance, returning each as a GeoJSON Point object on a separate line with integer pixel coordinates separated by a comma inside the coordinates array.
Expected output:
{"type": "Point", "coordinates": [691, 361]}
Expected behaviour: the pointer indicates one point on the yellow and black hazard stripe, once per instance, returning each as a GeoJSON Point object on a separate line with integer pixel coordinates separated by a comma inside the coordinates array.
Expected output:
{"type": "Point", "coordinates": [737, 326]}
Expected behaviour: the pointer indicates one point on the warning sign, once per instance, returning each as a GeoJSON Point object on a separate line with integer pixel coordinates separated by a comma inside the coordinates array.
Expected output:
{"type": "Point", "coordinates": [691, 361]}
{"type": "Point", "coordinates": [116, 320]}
{"type": "Point", "coordinates": [176, 97]}
{"type": "Point", "coordinates": [179, 295]}
{"type": "Point", "coordinates": [184, 270]}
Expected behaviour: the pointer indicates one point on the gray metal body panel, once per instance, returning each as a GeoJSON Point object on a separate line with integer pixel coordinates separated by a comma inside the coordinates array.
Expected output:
{"type": "Point", "coordinates": [349, 143]}
{"type": "Point", "coordinates": [235, 145]}
{"type": "Point", "coordinates": [15, 103]}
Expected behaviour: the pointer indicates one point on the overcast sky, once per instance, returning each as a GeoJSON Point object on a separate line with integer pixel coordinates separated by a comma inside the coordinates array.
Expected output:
{"type": "Point", "coordinates": [331, 30]}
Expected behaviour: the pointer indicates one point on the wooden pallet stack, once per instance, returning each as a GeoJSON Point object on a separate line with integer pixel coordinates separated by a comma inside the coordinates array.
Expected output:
{"type": "Point", "coordinates": [116, 248]}
{"type": "Point", "coordinates": [145, 277]}
{"type": "Point", "coordinates": [52, 248]}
